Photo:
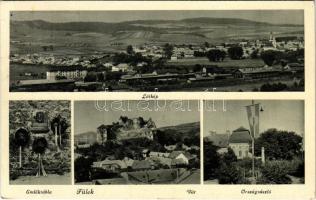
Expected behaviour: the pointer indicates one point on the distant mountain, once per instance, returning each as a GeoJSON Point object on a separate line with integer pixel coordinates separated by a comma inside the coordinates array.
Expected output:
{"type": "Point", "coordinates": [183, 128]}
{"type": "Point", "coordinates": [136, 24]}
{"type": "Point", "coordinates": [80, 26]}
{"type": "Point", "coordinates": [188, 133]}
{"type": "Point", "coordinates": [232, 21]}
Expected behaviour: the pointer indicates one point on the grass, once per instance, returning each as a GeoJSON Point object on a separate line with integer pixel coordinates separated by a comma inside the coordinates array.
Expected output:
{"type": "Point", "coordinates": [226, 63]}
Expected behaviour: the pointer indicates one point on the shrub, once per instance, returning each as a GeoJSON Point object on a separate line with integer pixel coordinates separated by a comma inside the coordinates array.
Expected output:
{"type": "Point", "coordinates": [229, 157]}
{"type": "Point", "coordinates": [275, 172]}
{"type": "Point", "coordinates": [297, 167]}
{"type": "Point", "coordinates": [246, 163]}
{"type": "Point", "coordinates": [229, 174]}
{"type": "Point", "coordinates": [235, 52]}
{"type": "Point", "coordinates": [83, 169]}
{"type": "Point", "coordinates": [273, 87]}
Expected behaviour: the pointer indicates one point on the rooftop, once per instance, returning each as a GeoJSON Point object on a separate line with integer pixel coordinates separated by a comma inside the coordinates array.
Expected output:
{"type": "Point", "coordinates": [240, 135]}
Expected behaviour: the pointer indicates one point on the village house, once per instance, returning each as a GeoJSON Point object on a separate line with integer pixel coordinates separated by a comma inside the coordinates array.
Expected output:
{"type": "Point", "coordinates": [108, 65]}
{"type": "Point", "coordinates": [239, 142]}
{"type": "Point", "coordinates": [158, 154]}
{"type": "Point", "coordinates": [122, 67]}
{"type": "Point", "coordinates": [181, 157]}
{"type": "Point", "coordinates": [140, 165]}
{"type": "Point", "coordinates": [166, 162]}
{"type": "Point", "coordinates": [114, 166]}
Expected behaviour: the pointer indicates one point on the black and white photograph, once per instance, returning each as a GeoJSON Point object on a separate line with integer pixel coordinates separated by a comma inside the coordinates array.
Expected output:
{"type": "Point", "coordinates": [39, 149]}
{"type": "Point", "coordinates": [157, 50]}
{"type": "Point", "coordinates": [254, 142]}
{"type": "Point", "coordinates": [137, 142]}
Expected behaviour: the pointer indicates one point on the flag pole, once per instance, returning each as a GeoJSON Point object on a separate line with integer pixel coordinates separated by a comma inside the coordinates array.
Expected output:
{"type": "Point", "coordinates": [253, 143]}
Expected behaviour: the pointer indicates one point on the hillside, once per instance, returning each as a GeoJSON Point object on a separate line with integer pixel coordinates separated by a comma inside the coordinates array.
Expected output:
{"type": "Point", "coordinates": [101, 34]}
{"type": "Point", "coordinates": [183, 128]}
{"type": "Point", "coordinates": [188, 133]}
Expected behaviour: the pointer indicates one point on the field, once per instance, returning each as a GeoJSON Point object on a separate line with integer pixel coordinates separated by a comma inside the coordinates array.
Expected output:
{"type": "Point", "coordinates": [17, 72]}
{"type": "Point", "coordinates": [226, 63]}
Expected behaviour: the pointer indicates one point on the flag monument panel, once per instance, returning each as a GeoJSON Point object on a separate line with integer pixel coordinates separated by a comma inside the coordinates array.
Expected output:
{"type": "Point", "coordinates": [253, 119]}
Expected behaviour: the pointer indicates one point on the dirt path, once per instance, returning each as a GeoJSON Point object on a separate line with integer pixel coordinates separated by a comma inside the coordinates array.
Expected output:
{"type": "Point", "coordinates": [51, 179]}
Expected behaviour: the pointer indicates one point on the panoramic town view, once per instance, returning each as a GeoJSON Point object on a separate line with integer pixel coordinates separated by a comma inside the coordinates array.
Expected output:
{"type": "Point", "coordinates": [254, 142]}
{"type": "Point", "coordinates": [157, 51]}
{"type": "Point", "coordinates": [137, 142]}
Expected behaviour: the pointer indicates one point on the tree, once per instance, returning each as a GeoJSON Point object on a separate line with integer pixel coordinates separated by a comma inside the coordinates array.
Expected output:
{"type": "Point", "coordinates": [22, 138]}
{"type": "Point", "coordinates": [197, 68]}
{"type": "Point", "coordinates": [215, 55]}
{"type": "Point", "coordinates": [268, 57]}
{"type": "Point", "coordinates": [211, 160]}
{"type": "Point", "coordinates": [206, 44]}
{"type": "Point", "coordinates": [39, 146]}
{"type": "Point", "coordinates": [100, 77]}
{"type": "Point", "coordinates": [129, 49]}
{"type": "Point", "coordinates": [254, 54]}
{"type": "Point", "coordinates": [168, 49]}
{"type": "Point", "coordinates": [235, 52]}
{"type": "Point", "coordinates": [82, 169]}
{"type": "Point", "coordinates": [141, 122]}
{"type": "Point", "coordinates": [279, 144]}
{"type": "Point", "coordinates": [267, 87]}
{"type": "Point", "coordinates": [90, 77]}
{"type": "Point", "coordinates": [63, 127]}
{"type": "Point", "coordinates": [229, 157]}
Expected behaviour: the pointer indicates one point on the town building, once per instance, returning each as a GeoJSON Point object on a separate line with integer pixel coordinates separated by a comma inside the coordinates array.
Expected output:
{"type": "Point", "coordinates": [257, 72]}
{"type": "Point", "coordinates": [239, 142]}
{"type": "Point", "coordinates": [68, 74]}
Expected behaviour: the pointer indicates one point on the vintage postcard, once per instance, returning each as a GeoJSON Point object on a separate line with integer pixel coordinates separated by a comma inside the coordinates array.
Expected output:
{"type": "Point", "coordinates": [157, 100]}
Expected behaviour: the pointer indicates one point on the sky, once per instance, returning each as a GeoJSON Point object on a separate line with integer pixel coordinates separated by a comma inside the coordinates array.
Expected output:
{"type": "Point", "coordinates": [88, 116]}
{"type": "Point", "coordinates": [280, 114]}
{"type": "Point", "coordinates": [271, 16]}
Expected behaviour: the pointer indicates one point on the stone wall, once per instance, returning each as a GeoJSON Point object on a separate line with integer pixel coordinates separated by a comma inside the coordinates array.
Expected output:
{"type": "Point", "coordinates": [21, 115]}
